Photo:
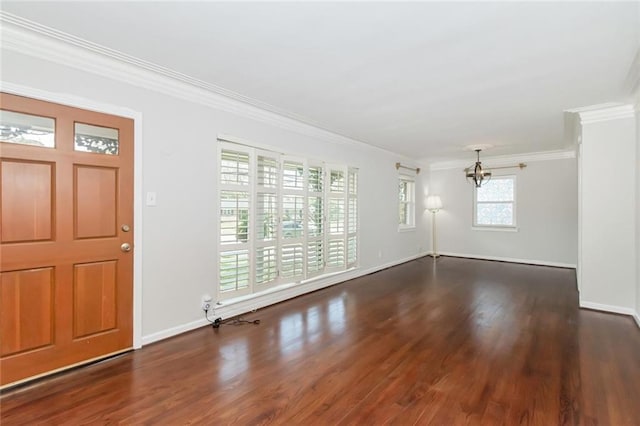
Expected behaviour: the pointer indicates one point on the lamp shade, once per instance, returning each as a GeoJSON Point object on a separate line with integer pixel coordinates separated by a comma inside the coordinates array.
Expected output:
{"type": "Point", "coordinates": [434, 203]}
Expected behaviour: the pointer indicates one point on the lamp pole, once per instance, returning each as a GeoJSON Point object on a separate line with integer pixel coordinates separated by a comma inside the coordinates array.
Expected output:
{"type": "Point", "coordinates": [434, 239]}
{"type": "Point", "coordinates": [434, 204]}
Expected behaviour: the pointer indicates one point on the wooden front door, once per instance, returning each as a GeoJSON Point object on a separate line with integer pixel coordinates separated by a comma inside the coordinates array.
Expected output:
{"type": "Point", "coordinates": [66, 217]}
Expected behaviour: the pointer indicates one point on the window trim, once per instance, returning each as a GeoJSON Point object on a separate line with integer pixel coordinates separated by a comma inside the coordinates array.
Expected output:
{"type": "Point", "coordinates": [510, 228]}
{"type": "Point", "coordinates": [403, 227]}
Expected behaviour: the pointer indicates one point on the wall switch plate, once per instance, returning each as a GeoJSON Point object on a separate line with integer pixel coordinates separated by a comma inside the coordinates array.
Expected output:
{"type": "Point", "coordinates": [151, 199]}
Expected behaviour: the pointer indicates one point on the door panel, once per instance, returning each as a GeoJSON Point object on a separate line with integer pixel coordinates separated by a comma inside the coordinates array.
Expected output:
{"type": "Point", "coordinates": [26, 303]}
{"type": "Point", "coordinates": [27, 190]}
{"type": "Point", "coordinates": [95, 201]}
{"type": "Point", "coordinates": [94, 296]}
{"type": "Point", "coordinates": [66, 288]}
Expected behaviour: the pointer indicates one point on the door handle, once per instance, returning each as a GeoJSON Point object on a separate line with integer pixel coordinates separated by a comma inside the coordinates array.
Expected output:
{"type": "Point", "coordinates": [125, 247]}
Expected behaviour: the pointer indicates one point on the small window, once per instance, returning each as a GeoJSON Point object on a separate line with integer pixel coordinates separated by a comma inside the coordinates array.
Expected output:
{"type": "Point", "coordinates": [96, 139]}
{"type": "Point", "coordinates": [26, 129]}
{"type": "Point", "coordinates": [495, 203]}
{"type": "Point", "coordinates": [406, 197]}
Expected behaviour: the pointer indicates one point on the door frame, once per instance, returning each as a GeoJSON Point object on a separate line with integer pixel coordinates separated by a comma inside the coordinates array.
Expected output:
{"type": "Point", "coordinates": [136, 116]}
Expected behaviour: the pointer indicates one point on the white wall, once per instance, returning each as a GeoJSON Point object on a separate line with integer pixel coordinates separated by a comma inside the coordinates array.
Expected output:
{"type": "Point", "coordinates": [179, 152]}
{"type": "Point", "coordinates": [637, 106]}
{"type": "Point", "coordinates": [608, 210]}
{"type": "Point", "coordinates": [636, 83]}
{"type": "Point", "coordinates": [547, 212]}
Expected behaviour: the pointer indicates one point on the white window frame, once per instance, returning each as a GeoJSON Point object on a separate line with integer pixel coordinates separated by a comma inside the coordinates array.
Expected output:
{"type": "Point", "coordinates": [483, 227]}
{"type": "Point", "coordinates": [411, 203]}
{"type": "Point", "coordinates": [252, 244]}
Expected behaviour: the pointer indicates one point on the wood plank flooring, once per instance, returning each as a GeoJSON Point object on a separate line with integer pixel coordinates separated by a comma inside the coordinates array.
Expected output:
{"type": "Point", "coordinates": [450, 342]}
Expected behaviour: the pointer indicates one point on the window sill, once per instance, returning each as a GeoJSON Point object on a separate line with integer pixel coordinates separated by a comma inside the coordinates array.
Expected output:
{"type": "Point", "coordinates": [495, 228]}
{"type": "Point", "coordinates": [406, 228]}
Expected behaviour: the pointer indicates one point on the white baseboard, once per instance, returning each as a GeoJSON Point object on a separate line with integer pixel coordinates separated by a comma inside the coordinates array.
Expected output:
{"type": "Point", "coordinates": [247, 304]}
{"type": "Point", "coordinates": [613, 309]}
{"type": "Point", "coordinates": [173, 331]}
{"type": "Point", "coordinates": [607, 308]}
{"type": "Point", "coordinates": [512, 260]}
{"type": "Point", "coordinates": [636, 316]}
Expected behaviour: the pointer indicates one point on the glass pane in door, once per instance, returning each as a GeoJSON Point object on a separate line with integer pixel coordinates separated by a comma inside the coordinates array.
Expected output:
{"type": "Point", "coordinates": [96, 139]}
{"type": "Point", "coordinates": [26, 129]}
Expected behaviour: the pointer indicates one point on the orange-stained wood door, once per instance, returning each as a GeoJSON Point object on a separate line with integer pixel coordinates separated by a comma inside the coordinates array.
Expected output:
{"type": "Point", "coordinates": [66, 284]}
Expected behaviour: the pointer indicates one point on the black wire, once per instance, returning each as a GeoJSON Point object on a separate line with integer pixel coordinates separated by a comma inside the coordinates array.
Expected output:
{"type": "Point", "coordinates": [240, 321]}
{"type": "Point", "coordinates": [232, 321]}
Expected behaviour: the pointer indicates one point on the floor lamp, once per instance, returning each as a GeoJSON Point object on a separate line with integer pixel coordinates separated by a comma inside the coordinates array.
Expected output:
{"type": "Point", "coordinates": [434, 204]}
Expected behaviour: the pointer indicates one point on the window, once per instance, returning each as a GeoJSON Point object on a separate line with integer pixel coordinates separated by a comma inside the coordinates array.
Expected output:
{"type": "Point", "coordinates": [26, 129]}
{"type": "Point", "coordinates": [495, 203]}
{"type": "Point", "coordinates": [406, 207]}
{"type": "Point", "coordinates": [282, 219]}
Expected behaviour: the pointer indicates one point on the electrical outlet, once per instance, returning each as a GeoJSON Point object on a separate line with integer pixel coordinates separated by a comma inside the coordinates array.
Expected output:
{"type": "Point", "coordinates": [207, 302]}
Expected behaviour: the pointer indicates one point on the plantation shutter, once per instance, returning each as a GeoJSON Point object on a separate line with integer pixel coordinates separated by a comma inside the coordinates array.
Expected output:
{"type": "Point", "coordinates": [267, 216]}
{"type": "Point", "coordinates": [282, 219]}
{"type": "Point", "coordinates": [234, 214]}
{"type": "Point", "coordinates": [315, 220]}
{"type": "Point", "coordinates": [336, 196]}
{"type": "Point", "coordinates": [352, 219]}
{"type": "Point", "coordinates": [292, 219]}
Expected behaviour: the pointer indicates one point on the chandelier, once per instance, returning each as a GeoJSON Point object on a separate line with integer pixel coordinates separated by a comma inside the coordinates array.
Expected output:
{"type": "Point", "coordinates": [476, 174]}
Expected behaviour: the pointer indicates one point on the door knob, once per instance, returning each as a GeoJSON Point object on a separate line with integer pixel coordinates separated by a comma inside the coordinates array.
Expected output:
{"type": "Point", "coordinates": [125, 247]}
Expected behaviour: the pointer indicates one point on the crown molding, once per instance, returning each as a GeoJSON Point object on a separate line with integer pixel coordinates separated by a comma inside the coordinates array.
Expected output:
{"type": "Point", "coordinates": [36, 40]}
{"type": "Point", "coordinates": [505, 160]}
{"type": "Point", "coordinates": [604, 112]}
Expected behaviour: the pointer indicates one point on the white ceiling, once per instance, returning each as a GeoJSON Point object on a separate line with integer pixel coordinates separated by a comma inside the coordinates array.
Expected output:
{"type": "Point", "coordinates": [421, 79]}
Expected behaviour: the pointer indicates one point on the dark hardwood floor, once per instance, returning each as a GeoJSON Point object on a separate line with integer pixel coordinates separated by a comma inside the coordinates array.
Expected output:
{"type": "Point", "coordinates": [457, 341]}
